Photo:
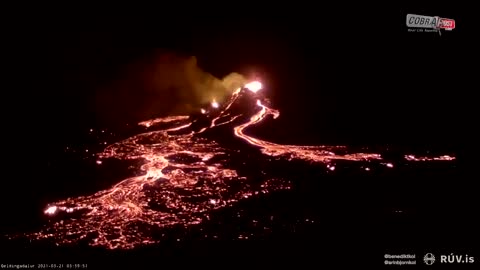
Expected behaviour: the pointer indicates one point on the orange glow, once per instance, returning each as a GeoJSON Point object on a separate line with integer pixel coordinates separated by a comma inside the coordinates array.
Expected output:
{"type": "Point", "coordinates": [416, 158]}
{"type": "Point", "coordinates": [168, 119]}
{"type": "Point", "coordinates": [254, 86]}
{"type": "Point", "coordinates": [215, 104]}
{"type": "Point", "coordinates": [51, 210]}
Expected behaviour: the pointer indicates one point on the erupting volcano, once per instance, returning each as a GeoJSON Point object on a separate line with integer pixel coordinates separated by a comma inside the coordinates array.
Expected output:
{"type": "Point", "coordinates": [188, 168]}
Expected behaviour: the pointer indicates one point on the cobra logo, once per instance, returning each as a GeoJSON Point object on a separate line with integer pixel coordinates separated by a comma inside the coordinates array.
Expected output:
{"type": "Point", "coordinates": [429, 259]}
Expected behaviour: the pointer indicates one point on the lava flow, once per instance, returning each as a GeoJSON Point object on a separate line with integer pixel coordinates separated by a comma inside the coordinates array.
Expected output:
{"type": "Point", "coordinates": [185, 176]}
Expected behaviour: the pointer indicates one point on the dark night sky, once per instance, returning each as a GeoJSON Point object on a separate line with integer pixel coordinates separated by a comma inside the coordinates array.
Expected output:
{"type": "Point", "coordinates": [360, 79]}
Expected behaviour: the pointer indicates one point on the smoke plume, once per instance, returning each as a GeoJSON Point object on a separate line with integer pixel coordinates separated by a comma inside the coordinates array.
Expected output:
{"type": "Point", "coordinates": [162, 84]}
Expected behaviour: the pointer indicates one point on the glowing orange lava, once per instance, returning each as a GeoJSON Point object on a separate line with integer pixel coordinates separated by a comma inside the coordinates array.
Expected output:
{"type": "Point", "coordinates": [168, 119]}
{"type": "Point", "coordinates": [415, 158]}
{"type": "Point", "coordinates": [254, 86]}
{"type": "Point", "coordinates": [215, 104]}
{"type": "Point", "coordinates": [182, 179]}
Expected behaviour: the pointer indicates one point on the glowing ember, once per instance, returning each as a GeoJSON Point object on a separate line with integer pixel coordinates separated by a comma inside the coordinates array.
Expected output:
{"type": "Point", "coordinates": [254, 86]}
{"type": "Point", "coordinates": [182, 178]}
{"type": "Point", "coordinates": [203, 111]}
{"type": "Point", "coordinates": [415, 158]}
{"type": "Point", "coordinates": [51, 210]}
{"type": "Point", "coordinates": [215, 104]}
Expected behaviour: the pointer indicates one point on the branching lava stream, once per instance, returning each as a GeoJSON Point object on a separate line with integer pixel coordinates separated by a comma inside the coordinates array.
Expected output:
{"type": "Point", "coordinates": [185, 177]}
